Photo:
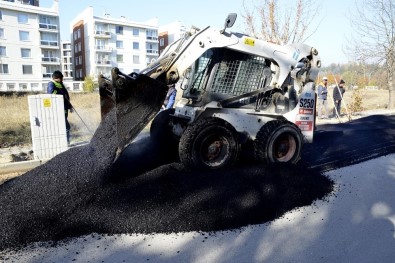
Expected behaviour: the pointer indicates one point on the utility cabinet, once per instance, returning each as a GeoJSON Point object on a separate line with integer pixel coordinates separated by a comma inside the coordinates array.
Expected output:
{"type": "Point", "coordinates": [48, 126]}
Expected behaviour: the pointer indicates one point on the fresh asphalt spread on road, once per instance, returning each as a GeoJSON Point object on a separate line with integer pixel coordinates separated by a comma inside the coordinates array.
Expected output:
{"type": "Point", "coordinates": [80, 191]}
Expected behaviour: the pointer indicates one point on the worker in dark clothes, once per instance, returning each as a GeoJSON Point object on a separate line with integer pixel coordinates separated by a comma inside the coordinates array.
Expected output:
{"type": "Point", "coordinates": [56, 86]}
{"type": "Point", "coordinates": [338, 92]}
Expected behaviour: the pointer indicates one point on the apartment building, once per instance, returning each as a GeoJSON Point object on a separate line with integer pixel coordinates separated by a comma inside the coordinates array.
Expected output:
{"type": "Point", "coordinates": [67, 60]}
{"type": "Point", "coordinates": [170, 33]}
{"type": "Point", "coordinates": [29, 46]}
{"type": "Point", "coordinates": [100, 43]}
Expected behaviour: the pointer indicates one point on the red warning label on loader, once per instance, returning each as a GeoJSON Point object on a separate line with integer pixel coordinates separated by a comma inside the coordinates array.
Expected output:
{"type": "Point", "coordinates": [305, 125]}
{"type": "Point", "coordinates": [305, 111]}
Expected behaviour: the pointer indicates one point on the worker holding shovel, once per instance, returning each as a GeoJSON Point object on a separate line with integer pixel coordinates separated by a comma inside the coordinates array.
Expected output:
{"type": "Point", "coordinates": [338, 92]}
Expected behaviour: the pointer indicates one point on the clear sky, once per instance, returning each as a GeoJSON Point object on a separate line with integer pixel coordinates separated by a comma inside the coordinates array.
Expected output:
{"type": "Point", "coordinates": [329, 38]}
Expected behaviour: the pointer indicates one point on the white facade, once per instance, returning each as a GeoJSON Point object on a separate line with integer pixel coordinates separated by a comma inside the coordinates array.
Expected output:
{"type": "Point", "coordinates": [174, 31]}
{"type": "Point", "coordinates": [101, 43]}
{"type": "Point", "coordinates": [66, 60]}
{"type": "Point", "coordinates": [29, 46]}
{"type": "Point", "coordinates": [170, 33]}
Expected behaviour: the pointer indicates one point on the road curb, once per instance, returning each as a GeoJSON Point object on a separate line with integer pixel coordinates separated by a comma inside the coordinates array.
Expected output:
{"type": "Point", "coordinates": [24, 166]}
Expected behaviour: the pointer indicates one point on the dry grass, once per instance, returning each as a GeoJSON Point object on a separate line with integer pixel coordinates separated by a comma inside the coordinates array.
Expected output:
{"type": "Point", "coordinates": [14, 120]}
{"type": "Point", "coordinates": [86, 118]}
{"type": "Point", "coordinates": [370, 99]}
{"type": "Point", "coordinates": [15, 123]}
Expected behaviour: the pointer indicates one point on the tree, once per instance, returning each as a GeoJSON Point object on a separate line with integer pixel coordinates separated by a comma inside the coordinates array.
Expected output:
{"type": "Point", "coordinates": [89, 84]}
{"type": "Point", "coordinates": [284, 25]}
{"type": "Point", "coordinates": [374, 25]}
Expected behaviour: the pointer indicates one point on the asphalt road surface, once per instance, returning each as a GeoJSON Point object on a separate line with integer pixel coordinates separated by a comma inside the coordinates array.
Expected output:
{"type": "Point", "coordinates": [78, 192]}
{"type": "Point", "coordinates": [343, 144]}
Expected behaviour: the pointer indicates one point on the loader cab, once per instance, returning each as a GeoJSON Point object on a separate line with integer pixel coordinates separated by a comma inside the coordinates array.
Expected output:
{"type": "Point", "coordinates": [234, 79]}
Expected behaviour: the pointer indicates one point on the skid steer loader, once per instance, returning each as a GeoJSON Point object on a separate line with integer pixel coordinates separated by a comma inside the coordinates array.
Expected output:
{"type": "Point", "coordinates": [237, 90]}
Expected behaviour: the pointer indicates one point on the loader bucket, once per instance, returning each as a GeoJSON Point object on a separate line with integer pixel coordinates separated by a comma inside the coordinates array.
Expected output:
{"type": "Point", "coordinates": [136, 98]}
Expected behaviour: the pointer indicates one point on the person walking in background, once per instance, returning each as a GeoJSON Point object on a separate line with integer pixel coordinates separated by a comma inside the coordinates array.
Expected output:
{"type": "Point", "coordinates": [338, 92]}
{"type": "Point", "coordinates": [322, 98]}
{"type": "Point", "coordinates": [56, 86]}
{"type": "Point", "coordinates": [170, 97]}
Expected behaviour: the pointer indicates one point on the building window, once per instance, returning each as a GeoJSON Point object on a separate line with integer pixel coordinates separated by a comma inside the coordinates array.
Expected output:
{"type": "Point", "coordinates": [2, 33]}
{"type": "Point", "coordinates": [23, 35]}
{"type": "Point", "coordinates": [49, 39]}
{"type": "Point", "coordinates": [136, 70]}
{"type": "Point", "coordinates": [119, 58]}
{"type": "Point", "coordinates": [162, 42]}
{"type": "Point", "coordinates": [4, 68]}
{"type": "Point", "coordinates": [119, 44]}
{"type": "Point", "coordinates": [49, 56]}
{"type": "Point", "coordinates": [78, 33]}
{"type": "Point", "coordinates": [136, 60]}
{"type": "Point", "coordinates": [48, 22]}
{"type": "Point", "coordinates": [136, 32]}
{"type": "Point", "coordinates": [101, 44]}
{"type": "Point", "coordinates": [23, 86]}
{"type": "Point", "coordinates": [10, 86]}
{"type": "Point", "coordinates": [22, 18]}
{"type": "Point", "coordinates": [25, 52]}
{"type": "Point", "coordinates": [152, 34]}
{"type": "Point", "coordinates": [1, 15]}
{"type": "Point", "coordinates": [27, 69]}
{"type": "Point", "coordinates": [3, 51]}
{"type": "Point", "coordinates": [66, 46]}
{"type": "Point", "coordinates": [119, 30]}
{"type": "Point", "coordinates": [136, 46]}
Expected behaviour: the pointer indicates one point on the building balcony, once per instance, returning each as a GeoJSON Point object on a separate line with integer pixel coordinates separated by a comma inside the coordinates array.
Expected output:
{"type": "Point", "coordinates": [102, 34]}
{"type": "Point", "coordinates": [104, 63]}
{"type": "Point", "coordinates": [50, 59]}
{"type": "Point", "coordinates": [103, 49]}
{"type": "Point", "coordinates": [152, 52]}
{"type": "Point", "coordinates": [48, 27]}
{"type": "Point", "coordinates": [152, 39]}
{"type": "Point", "coordinates": [49, 44]}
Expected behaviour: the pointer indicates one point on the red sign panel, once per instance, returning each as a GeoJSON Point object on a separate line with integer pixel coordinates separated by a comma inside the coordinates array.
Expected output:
{"type": "Point", "coordinates": [305, 125]}
{"type": "Point", "coordinates": [306, 111]}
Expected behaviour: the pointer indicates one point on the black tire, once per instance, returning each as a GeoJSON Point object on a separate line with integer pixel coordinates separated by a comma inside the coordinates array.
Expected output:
{"type": "Point", "coordinates": [209, 144]}
{"type": "Point", "coordinates": [160, 129]}
{"type": "Point", "coordinates": [278, 141]}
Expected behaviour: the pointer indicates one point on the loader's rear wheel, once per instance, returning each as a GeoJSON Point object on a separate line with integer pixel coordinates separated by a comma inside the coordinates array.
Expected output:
{"type": "Point", "coordinates": [209, 144]}
{"type": "Point", "coordinates": [278, 141]}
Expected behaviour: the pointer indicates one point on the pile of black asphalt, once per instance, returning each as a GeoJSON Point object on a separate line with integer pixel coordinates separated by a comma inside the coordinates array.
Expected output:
{"type": "Point", "coordinates": [80, 191]}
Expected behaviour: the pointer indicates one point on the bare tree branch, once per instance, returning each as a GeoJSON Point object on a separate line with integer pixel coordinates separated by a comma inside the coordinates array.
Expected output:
{"type": "Point", "coordinates": [374, 26]}
{"type": "Point", "coordinates": [280, 23]}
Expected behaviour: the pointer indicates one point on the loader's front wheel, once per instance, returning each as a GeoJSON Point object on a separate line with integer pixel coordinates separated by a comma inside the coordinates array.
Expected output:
{"type": "Point", "coordinates": [278, 141]}
{"type": "Point", "coordinates": [209, 144]}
